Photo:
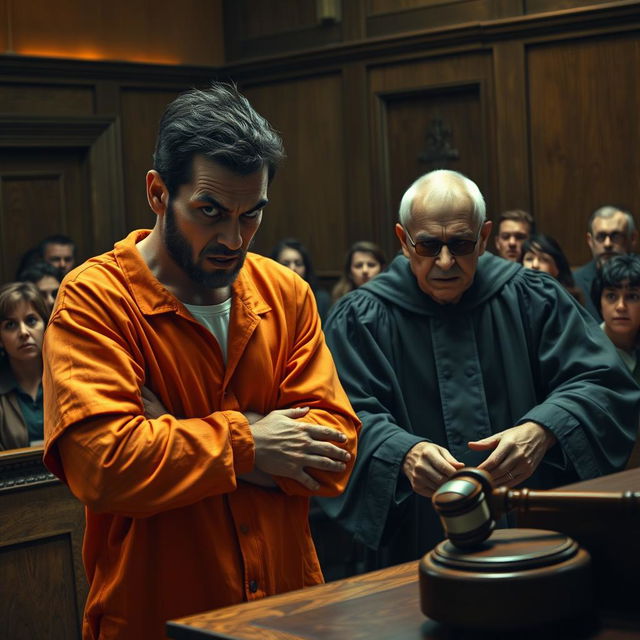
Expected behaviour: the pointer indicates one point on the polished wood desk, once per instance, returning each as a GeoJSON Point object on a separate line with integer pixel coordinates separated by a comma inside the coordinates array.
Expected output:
{"type": "Point", "coordinates": [383, 605]}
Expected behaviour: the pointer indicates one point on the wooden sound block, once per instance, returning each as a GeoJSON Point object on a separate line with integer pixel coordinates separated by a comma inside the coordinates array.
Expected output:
{"type": "Point", "coordinates": [517, 578]}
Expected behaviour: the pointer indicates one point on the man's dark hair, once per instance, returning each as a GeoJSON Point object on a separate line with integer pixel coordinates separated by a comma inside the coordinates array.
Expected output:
{"type": "Point", "coordinates": [57, 238]}
{"type": "Point", "coordinates": [219, 124]}
{"type": "Point", "coordinates": [38, 270]}
{"type": "Point", "coordinates": [518, 215]}
{"type": "Point", "coordinates": [613, 273]}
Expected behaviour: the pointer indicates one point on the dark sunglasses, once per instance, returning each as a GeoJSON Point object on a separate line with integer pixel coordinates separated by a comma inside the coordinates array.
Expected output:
{"type": "Point", "coordinates": [432, 248]}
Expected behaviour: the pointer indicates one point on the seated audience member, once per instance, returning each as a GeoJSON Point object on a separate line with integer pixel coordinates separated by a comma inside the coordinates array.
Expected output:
{"type": "Point", "coordinates": [364, 261]}
{"type": "Point", "coordinates": [46, 278]}
{"type": "Point", "coordinates": [514, 227]}
{"type": "Point", "coordinates": [616, 294]}
{"type": "Point", "coordinates": [456, 357]}
{"type": "Point", "coordinates": [543, 253]}
{"type": "Point", "coordinates": [23, 317]}
{"type": "Point", "coordinates": [293, 254]}
{"type": "Point", "coordinates": [59, 251]}
{"type": "Point", "coordinates": [611, 231]}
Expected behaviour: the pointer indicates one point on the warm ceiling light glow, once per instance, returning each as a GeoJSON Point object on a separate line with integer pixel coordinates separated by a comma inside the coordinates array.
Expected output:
{"type": "Point", "coordinates": [93, 54]}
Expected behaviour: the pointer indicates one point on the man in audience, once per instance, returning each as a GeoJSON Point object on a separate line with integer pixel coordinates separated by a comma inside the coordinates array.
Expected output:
{"type": "Point", "coordinates": [454, 358]}
{"type": "Point", "coordinates": [611, 232]}
{"type": "Point", "coordinates": [190, 400]}
{"type": "Point", "coordinates": [514, 227]}
{"type": "Point", "coordinates": [58, 250]}
{"type": "Point", "coordinates": [46, 278]}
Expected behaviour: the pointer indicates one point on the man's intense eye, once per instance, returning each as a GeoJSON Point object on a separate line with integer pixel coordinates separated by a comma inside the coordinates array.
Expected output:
{"type": "Point", "coordinates": [210, 211]}
{"type": "Point", "coordinates": [251, 215]}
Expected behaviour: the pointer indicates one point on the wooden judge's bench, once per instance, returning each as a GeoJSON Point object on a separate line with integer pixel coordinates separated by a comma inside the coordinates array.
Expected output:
{"type": "Point", "coordinates": [385, 605]}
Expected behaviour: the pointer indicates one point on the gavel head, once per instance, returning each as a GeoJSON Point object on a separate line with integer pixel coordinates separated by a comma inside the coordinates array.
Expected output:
{"type": "Point", "coordinates": [461, 502]}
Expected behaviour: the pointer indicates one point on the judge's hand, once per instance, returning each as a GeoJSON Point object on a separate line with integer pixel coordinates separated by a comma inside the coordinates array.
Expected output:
{"type": "Point", "coordinates": [153, 408]}
{"type": "Point", "coordinates": [517, 452]}
{"type": "Point", "coordinates": [428, 465]}
{"type": "Point", "coordinates": [285, 447]}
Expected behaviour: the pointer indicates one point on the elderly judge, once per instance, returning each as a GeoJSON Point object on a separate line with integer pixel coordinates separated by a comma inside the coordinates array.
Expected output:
{"type": "Point", "coordinates": [454, 357]}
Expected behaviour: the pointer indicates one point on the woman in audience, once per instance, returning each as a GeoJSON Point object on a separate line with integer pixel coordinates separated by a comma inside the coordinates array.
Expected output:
{"type": "Point", "coordinates": [23, 317]}
{"type": "Point", "coordinates": [543, 253]}
{"type": "Point", "coordinates": [364, 261]}
{"type": "Point", "coordinates": [46, 278]}
{"type": "Point", "coordinates": [293, 254]}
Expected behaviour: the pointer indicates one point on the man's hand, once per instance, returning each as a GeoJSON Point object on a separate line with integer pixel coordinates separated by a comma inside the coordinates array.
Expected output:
{"type": "Point", "coordinates": [153, 408]}
{"type": "Point", "coordinates": [427, 466]}
{"type": "Point", "coordinates": [284, 447]}
{"type": "Point", "coordinates": [517, 452]}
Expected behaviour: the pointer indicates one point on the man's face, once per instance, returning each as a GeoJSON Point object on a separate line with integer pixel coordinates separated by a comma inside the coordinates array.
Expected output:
{"type": "Point", "coordinates": [609, 237]}
{"type": "Point", "coordinates": [60, 256]}
{"type": "Point", "coordinates": [621, 310]}
{"type": "Point", "coordinates": [444, 277]}
{"type": "Point", "coordinates": [210, 222]}
{"type": "Point", "coordinates": [511, 235]}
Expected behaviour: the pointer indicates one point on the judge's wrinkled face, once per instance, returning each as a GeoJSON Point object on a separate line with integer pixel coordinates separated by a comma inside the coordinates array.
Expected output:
{"type": "Point", "coordinates": [446, 276]}
{"type": "Point", "coordinates": [610, 237]}
{"type": "Point", "coordinates": [510, 238]}
{"type": "Point", "coordinates": [210, 222]}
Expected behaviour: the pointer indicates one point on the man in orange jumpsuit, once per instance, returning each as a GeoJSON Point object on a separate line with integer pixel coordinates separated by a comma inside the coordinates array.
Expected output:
{"type": "Point", "coordinates": [191, 402]}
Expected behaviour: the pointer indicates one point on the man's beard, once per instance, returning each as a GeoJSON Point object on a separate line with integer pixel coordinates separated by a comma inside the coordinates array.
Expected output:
{"type": "Point", "coordinates": [180, 251]}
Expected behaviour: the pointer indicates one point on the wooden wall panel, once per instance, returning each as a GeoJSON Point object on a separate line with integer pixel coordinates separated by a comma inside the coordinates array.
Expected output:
{"type": "Point", "coordinates": [43, 586]}
{"type": "Point", "coordinates": [141, 112]}
{"type": "Point", "coordinates": [406, 100]}
{"type": "Point", "coordinates": [42, 192]}
{"type": "Point", "coordinates": [307, 197]}
{"type": "Point", "coordinates": [584, 130]}
{"type": "Point", "coordinates": [48, 100]}
{"type": "Point", "coordinates": [156, 31]}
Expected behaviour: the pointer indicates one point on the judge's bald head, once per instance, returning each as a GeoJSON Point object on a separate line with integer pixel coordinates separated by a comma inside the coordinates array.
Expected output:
{"type": "Point", "coordinates": [443, 231]}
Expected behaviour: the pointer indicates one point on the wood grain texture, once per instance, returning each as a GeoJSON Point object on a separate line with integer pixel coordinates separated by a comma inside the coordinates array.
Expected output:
{"type": "Point", "coordinates": [121, 30]}
{"type": "Point", "coordinates": [307, 197]}
{"type": "Point", "coordinates": [48, 100]}
{"type": "Point", "coordinates": [583, 101]}
{"type": "Point", "coordinates": [43, 587]}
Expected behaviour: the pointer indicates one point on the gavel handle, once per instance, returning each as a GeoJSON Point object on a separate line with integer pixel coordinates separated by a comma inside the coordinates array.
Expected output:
{"type": "Point", "coordinates": [503, 499]}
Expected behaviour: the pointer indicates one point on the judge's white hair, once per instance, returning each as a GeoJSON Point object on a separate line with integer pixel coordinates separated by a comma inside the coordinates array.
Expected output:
{"type": "Point", "coordinates": [444, 189]}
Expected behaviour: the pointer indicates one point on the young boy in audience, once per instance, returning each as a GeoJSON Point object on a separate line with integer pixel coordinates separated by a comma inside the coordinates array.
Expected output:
{"type": "Point", "coordinates": [616, 292]}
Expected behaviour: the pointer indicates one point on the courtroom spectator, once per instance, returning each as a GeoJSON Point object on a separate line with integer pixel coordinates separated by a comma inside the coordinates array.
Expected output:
{"type": "Point", "coordinates": [46, 278]}
{"type": "Point", "coordinates": [59, 251]}
{"type": "Point", "coordinates": [293, 254]}
{"type": "Point", "coordinates": [23, 317]}
{"type": "Point", "coordinates": [363, 261]}
{"type": "Point", "coordinates": [456, 357]}
{"type": "Point", "coordinates": [611, 231]}
{"type": "Point", "coordinates": [616, 293]}
{"type": "Point", "coordinates": [191, 402]}
{"type": "Point", "coordinates": [514, 227]}
{"type": "Point", "coordinates": [543, 253]}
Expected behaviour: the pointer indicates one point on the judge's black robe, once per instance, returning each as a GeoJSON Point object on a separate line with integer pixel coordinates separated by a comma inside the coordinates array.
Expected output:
{"type": "Point", "coordinates": [515, 348]}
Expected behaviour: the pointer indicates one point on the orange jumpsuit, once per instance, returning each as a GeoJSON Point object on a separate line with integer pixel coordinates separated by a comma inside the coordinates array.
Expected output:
{"type": "Point", "coordinates": [170, 530]}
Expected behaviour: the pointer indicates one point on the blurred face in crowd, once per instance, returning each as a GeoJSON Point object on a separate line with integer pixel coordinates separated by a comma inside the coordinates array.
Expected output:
{"type": "Point", "coordinates": [445, 276]}
{"type": "Point", "coordinates": [511, 235]}
{"type": "Point", "coordinates": [21, 333]}
{"type": "Point", "coordinates": [540, 261]}
{"type": "Point", "coordinates": [292, 259]}
{"type": "Point", "coordinates": [621, 313]}
{"type": "Point", "coordinates": [610, 237]}
{"type": "Point", "coordinates": [48, 287]}
{"type": "Point", "coordinates": [364, 266]}
{"type": "Point", "coordinates": [60, 256]}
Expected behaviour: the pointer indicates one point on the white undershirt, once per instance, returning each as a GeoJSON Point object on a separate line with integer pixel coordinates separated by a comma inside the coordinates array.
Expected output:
{"type": "Point", "coordinates": [214, 317]}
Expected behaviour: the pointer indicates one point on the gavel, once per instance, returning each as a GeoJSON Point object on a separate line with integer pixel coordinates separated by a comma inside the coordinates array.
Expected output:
{"type": "Point", "coordinates": [469, 504]}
